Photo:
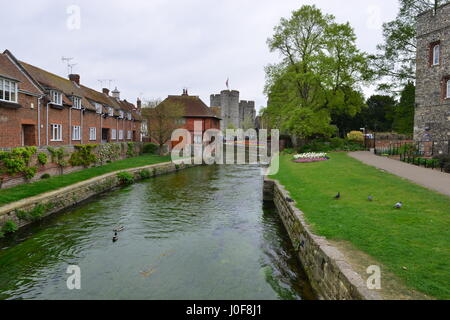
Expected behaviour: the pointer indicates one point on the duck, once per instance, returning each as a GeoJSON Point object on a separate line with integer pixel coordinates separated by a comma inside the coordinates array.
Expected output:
{"type": "Point", "coordinates": [115, 238]}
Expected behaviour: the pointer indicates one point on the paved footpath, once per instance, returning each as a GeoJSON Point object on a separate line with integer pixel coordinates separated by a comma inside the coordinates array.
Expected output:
{"type": "Point", "coordinates": [431, 179]}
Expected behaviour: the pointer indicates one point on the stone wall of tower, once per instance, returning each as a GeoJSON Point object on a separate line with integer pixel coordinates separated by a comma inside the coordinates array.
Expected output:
{"type": "Point", "coordinates": [432, 116]}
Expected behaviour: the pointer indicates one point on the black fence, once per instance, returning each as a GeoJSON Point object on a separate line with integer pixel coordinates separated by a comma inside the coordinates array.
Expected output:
{"type": "Point", "coordinates": [426, 149]}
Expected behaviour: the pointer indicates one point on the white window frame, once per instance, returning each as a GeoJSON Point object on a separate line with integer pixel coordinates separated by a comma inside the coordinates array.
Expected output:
{"type": "Point", "coordinates": [56, 132]}
{"type": "Point", "coordinates": [92, 134]}
{"type": "Point", "coordinates": [120, 134]}
{"type": "Point", "coordinates": [121, 114]}
{"type": "Point", "coordinates": [56, 97]}
{"type": "Point", "coordinates": [436, 54]}
{"type": "Point", "coordinates": [98, 108]}
{"type": "Point", "coordinates": [129, 115]}
{"type": "Point", "coordinates": [76, 103]}
{"type": "Point", "coordinates": [13, 89]}
{"type": "Point", "coordinates": [129, 135]}
{"type": "Point", "coordinates": [110, 112]}
{"type": "Point", "coordinates": [113, 134]}
{"type": "Point", "coordinates": [448, 89]}
{"type": "Point", "coordinates": [76, 133]}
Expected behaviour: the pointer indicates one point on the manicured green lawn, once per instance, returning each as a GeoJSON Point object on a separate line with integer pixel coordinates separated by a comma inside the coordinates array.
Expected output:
{"type": "Point", "coordinates": [56, 182]}
{"type": "Point", "coordinates": [416, 237]}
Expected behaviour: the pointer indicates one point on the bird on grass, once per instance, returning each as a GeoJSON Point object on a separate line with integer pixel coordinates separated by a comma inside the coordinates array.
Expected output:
{"type": "Point", "coordinates": [115, 238]}
{"type": "Point", "coordinates": [370, 198]}
{"type": "Point", "coordinates": [289, 200]}
{"type": "Point", "coordinates": [338, 196]}
{"type": "Point", "coordinates": [398, 205]}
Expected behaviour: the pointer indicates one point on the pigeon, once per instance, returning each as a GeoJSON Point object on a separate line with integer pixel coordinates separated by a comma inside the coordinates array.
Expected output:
{"type": "Point", "coordinates": [115, 238]}
{"type": "Point", "coordinates": [370, 198]}
{"type": "Point", "coordinates": [338, 196]}
{"type": "Point", "coordinates": [289, 199]}
{"type": "Point", "coordinates": [398, 205]}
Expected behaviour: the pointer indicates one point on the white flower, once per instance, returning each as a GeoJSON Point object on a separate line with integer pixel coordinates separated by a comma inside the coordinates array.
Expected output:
{"type": "Point", "coordinates": [310, 155]}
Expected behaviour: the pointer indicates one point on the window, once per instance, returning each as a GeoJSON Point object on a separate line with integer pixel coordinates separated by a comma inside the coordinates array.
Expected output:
{"type": "Point", "coordinates": [129, 116]}
{"type": "Point", "coordinates": [76, 133]}
{"type": "Point", "coordinates": [436, 54]}
{"type": "Point", "coordinates": [120, 134]}
{"type": "Point", "coordinates": [129, 134]}
{"type": "Point", "coordinates": [56, 132]}
{"type": "Point", "coordinates": [181, 121]}
{"type": "Point", "coordinates": [76, 103]}
{"type": "Point", "coordinates": [56, 97]}
{"type": "Point", "coordinates": [8, 90]}
{"type": "Point", "coordinates": [110, 112]}
{"type": "Point", "coordinates": [92, 134]}
{"type": "Point", "coordinates": [98, 107]}
{"type": "Point", "coordinates": [448, 89]}
{"type": "Point", "coordinates": [121, 114]}
{"type": "Point", "coordinates": [114, 134]}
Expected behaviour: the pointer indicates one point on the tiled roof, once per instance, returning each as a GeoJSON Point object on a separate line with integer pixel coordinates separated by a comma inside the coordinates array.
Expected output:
{"type": "Point", "coordinates": [193, 106]}
{"type": "Point", "coordinates": [9, 70]}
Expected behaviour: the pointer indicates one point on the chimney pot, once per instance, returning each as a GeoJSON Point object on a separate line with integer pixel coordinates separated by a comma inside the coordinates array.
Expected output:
{"type": "Point", "coordinates": [106, 91]}
{"type": "Point", "coordinates": [75, 78]}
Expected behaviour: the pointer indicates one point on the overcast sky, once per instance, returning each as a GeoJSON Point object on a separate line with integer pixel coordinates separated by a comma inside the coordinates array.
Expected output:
{"type": "Point", "coordinates": [153, 48]}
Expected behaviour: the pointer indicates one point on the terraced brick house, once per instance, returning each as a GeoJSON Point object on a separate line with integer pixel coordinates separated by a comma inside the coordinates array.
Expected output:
{"type": "Point", "coordinates": [39, 108]}
{"type": "Point", "coordinates": [432, 117]}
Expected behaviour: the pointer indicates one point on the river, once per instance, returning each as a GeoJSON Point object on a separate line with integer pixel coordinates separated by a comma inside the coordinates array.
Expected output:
{"type": "Point", "coordinates": [201, 233]}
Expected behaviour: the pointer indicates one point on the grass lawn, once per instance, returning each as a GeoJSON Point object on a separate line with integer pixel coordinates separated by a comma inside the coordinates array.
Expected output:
{"type": "Point", "coordinates": [56, 182]}
{"type": "Point", "coordinates": [416, 237]}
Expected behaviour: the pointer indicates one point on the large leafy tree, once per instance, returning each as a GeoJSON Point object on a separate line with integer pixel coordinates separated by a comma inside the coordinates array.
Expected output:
{"type": "Point", "coordinates": [318, 76]}
{"type": "Point", "coordinates": [395, 61]}
{"type": "Point", "coordinates": [379, 114]}
{"type": "Point", "coordinates": [404, 112]}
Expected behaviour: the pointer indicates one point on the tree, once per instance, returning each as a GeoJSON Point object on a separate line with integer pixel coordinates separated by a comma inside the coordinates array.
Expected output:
{"type": "Point", "coordinates": [162, 119]}
{"type": "Point", "coordinates": [379, 114]}
{"type": "Point", "coordinates": [318, 76]}
{"type": "Point", "coordinates": [404, 113]}
{"type": "Point", "coordinates": [396, 59]}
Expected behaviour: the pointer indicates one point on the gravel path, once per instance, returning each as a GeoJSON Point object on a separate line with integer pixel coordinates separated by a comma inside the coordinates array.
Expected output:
{"type": "Point", "coordinates": [431, 179]}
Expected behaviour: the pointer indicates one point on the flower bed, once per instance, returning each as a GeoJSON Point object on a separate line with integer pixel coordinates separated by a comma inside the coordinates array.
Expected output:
{"type": "Point", "coordinates": [310, 157]}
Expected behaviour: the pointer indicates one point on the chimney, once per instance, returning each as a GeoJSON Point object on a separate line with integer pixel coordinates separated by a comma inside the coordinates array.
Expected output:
{"type": "Point", "coordinates": [138, 105]}
{"type": "Point", "coordinates": [75, 78]}
{"type": "Point", "coordinates": [116, 94]}
{"type": "Point", "coordinates": [106, 91]}
{"type": "Point", "coordinates": [185, 92]}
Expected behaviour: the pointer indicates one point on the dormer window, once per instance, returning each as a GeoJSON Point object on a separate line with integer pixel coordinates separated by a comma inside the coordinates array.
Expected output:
{"type": "Point", "coordinates": [98, 108]}
{"type": "Point", "coordinates": [76, 103]}
{"type": "Point", "coordinates": [121, 114]}
{"type": "Point", "coordinates": [56, 97]}
{"type": "Point", "coordinates": [8, 90]}
{"type": "Point", "coordinates": [110, 112]}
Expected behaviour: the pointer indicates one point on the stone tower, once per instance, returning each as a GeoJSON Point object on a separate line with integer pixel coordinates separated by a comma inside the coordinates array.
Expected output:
{"type": "Point", "coordinates": [432, 116]}
{"type": "Point", "coordinates": [231, 110]}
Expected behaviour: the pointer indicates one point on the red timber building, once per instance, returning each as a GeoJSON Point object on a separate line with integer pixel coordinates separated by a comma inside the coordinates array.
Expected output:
{"type": "Point", "coordinates": [195, 110]}
{"type": "Point", "coordinates": [38, 108]}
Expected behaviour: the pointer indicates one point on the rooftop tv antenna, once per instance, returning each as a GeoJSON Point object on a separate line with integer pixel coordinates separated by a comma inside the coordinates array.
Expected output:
{"type": "Point", "coordinates": [70, 66]}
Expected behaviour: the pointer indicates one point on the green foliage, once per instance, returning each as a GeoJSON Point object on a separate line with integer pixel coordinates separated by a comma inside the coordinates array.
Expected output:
{"type": "Point", "coordinates": [109, 151]}
{"type": "Point", "coordinates": [145, 174]}
{"type": "Point", "coordinates": [2, 235]}
{"type": "Point", "coordinates": [404, 111]}
{"type": "Point", "coordinates": [9, 227]}
{"type": "Point", "coordinates": [45, 176]}
{"type": "Point", "coordinates": [355, 136]}
{"type": "Point", "coordinates": [151, 148]}
{"type": "Point", "coordinates": [35, 214]}
{"type": "Point", "coordinates": [130, 149]}
{"type": "Point", "coordinates": [17, 161]}
{"type": "Point", "coordinates": [319, 76]}
{"type": "Point", "coordinates": [58, 156]}
{"type": "Point", "coordinates": [83, 156]}
{"type": "Point", "coordinates": [42, 158]}
{"type": "Point", "coordinates": [125, 178]}
{"type": "Point", "coordinates": [333, 144]}
{"type": "Point", "coordinates": [177, 167]}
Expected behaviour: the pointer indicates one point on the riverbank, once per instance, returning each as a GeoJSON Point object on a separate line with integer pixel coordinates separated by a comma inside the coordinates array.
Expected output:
{"type": "Point", "coordinates": [36, 188]}
{"type": "Point", "coordinates": [411, 243]}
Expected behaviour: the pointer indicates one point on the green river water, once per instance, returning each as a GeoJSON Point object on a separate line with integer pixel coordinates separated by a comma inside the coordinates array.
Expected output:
{"type": "Point", "coordinates": [201, 233]}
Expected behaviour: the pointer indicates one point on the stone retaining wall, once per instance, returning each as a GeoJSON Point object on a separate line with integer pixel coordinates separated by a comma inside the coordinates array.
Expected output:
{"type": "Point", "coordinates": [328, 272]}
{"type": "Point", "coordinates": [55, 201]}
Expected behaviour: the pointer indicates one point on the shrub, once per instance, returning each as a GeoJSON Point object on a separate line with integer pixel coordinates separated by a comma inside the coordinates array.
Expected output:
{"type": "Point", "coordinates": [45, 176]}
{"type": "Point", "coordinates": [35, 214]}
{"type": "Point", "coordinates": [150, 148]}
{"type": "Point", "coordinates": [9, 227]}
{"type": "Point", "coordinates": [145, 174]}
{"type": "Point", "coordinates": [442, 159]}
{"type": "Point", "coordinates": [125, 178]}
{"type": "Point", "coordinates": [29, 172]}
{"type": "Point", "coordinates": [1, 234]}
{"type": "Point", "coordinates": [289, 151]}
{"type": "Point", "coordinates": [446, 167]}
{"type": "Point", "coordinates": [355, 136]}
{"type": "Point", "coordinates": [337, 143]}
{"type": "Point", "coordinates": [42, 158]}
{"type": "Point", "coordinates": [17, 161]}
{"type": "Point", "coordinates": [83, 156]}
{"type": "Point", "coordinates": [130, 149]}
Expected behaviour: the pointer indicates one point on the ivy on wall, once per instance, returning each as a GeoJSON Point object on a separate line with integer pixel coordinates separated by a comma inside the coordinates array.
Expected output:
{"type": "Point", "coordinates": [83, 156]}
{"type": "Point", "coordinates": [17, 161]}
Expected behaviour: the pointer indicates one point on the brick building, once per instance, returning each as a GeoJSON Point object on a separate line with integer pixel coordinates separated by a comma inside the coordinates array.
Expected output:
{"type": "Point", "coordinates": [38, 108]}
{"type": "Point", "coordinates": [432, 117]}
